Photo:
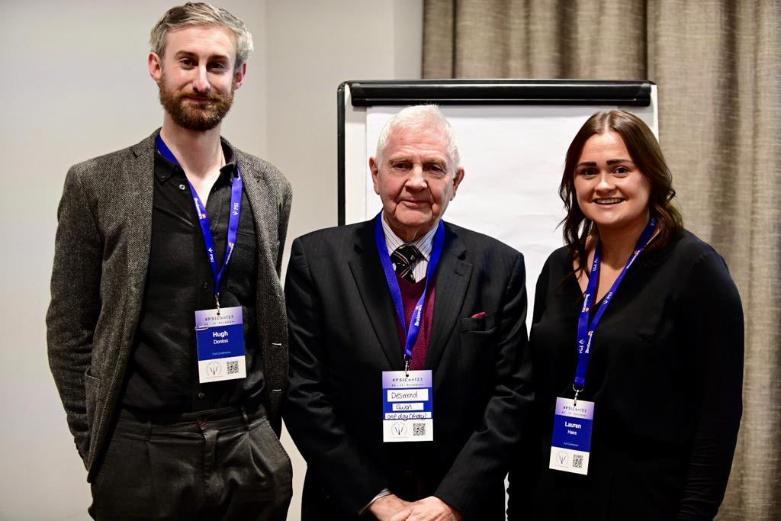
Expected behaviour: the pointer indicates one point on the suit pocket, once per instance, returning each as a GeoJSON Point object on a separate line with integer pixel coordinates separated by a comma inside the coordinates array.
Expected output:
{"type": "Point", "coordinates": [91, 390]}
{"type": "Point", "coordinates": [479, 325]}
{"type": "Point", "coordinates": [272, 463]}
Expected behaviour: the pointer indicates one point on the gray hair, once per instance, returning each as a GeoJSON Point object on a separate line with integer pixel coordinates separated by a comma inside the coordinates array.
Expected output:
{"type": "Point", "coordinates": [417, 116]}
{"type": "Point", "coordinates": [201, 14]}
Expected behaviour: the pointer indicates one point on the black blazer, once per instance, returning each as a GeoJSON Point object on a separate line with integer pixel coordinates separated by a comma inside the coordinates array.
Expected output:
{"type": "Point", "coordinates": [343, 334]}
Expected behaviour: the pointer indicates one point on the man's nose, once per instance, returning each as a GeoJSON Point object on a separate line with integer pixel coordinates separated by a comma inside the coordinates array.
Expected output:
{"type": "Point", "coordinates": [416, 179]}
{"type": "Point", "coordinates": [201, 83]}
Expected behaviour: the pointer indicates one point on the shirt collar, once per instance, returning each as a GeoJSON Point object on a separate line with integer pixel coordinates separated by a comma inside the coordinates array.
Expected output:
{"type": "Point", "coordinates": [424, 244]}
{"type": "Point", "coordinates": [165, 169]}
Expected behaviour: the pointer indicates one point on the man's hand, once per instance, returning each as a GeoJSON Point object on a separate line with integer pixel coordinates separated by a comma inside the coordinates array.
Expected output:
{"type": "Point", "coordinates": [389, 507]}
{"type": "Point", "coordinates": [428, 509]}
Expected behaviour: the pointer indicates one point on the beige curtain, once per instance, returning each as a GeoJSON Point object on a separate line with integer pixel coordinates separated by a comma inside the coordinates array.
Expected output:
{"type": "Point", "coordinates": [717, 65]}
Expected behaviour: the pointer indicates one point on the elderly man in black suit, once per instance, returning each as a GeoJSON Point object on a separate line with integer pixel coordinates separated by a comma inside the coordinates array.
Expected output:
{"type": "Point", "coordinates": [179, 232]}
{"type": "Point", "coordinates": [402, 297]}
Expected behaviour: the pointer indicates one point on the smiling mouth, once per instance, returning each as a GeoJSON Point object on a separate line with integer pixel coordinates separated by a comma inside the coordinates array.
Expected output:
{"type": "Point", "coordinates": [608, 201]}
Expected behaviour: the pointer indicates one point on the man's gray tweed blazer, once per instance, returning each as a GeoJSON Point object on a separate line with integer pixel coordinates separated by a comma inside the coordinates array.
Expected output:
{"type": "Point", "coordinates": [100, 264]}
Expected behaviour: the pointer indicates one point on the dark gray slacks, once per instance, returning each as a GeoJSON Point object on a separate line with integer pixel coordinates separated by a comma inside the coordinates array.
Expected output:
{"type": "Point", "coordinates": [224, 466]}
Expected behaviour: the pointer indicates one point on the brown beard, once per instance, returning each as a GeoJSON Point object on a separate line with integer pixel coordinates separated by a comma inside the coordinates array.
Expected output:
{"type": "Point", "coordinates": [193, 116]}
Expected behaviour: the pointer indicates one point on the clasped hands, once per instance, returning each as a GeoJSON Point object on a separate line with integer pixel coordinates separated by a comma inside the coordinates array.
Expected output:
{"type": "Point", "coordinates": [393, 508]}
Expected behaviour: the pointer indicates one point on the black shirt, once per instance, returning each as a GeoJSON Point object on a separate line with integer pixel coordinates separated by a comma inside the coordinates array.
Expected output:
{"type": "Point", "coordinates": [665, 377]}
{"type": "Point", "coordinates": [163, 372]}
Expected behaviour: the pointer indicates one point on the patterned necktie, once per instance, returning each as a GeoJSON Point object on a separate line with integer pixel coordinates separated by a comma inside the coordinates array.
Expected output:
{"type": "Point", "coordinates": [404, 259]}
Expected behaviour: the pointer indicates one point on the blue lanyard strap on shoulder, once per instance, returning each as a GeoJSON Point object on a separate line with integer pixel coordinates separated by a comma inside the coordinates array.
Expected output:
{"type": "Point", "coordinates": [586, 327]}
{"type": "Point", "coordinates": [237, 185]}
{"type": "Point", "coordinates": [393, 284]}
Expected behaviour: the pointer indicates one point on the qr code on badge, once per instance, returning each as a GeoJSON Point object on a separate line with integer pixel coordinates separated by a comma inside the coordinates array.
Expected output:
{"type": "Point", "coordinates": [232, 366]}
{"type": "Point", "coordinates": [418, 429]}
{"type": "Point", "coordinates": [577, 461]}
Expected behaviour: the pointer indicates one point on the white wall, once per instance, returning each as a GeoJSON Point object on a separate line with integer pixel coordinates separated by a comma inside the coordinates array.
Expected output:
{"type": "Point", "coordinates": [312, 47]}
{"type": "Point", "coordinates": [74, 85]}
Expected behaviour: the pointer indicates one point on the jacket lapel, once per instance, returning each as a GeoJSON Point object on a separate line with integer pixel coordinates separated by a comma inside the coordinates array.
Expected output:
{"type": "Point", "coordinates": [370, 280]}
{"type": "Point", "coordinates": [262, 207]}
{"type": "Point", "coordinates": [139, 175]}
{"type": "Point", "coordinates": [452, 280]}
{"type": "Point", "coordinates": [272, 322]}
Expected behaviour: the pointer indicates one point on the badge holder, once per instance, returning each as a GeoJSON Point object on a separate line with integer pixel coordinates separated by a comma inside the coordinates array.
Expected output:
{"type": "Point", "coordinates": [571, 443]}
{"type": "Point", "coordinates": [407, 406]}
{"type": "Point", "coordinates": [219, 335]}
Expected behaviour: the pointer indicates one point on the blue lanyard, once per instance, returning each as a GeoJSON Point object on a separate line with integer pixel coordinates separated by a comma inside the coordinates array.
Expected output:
{"type": "Point", "coordinates": [237, 186]}
{"type": "Point", "coordinates": [586, 327]}
{"type": "Point", "coordinates": [393, 284]}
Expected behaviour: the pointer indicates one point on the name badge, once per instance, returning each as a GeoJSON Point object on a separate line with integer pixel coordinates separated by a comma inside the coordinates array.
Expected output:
{"type": "Point", "coordinates": [407, 406]}
{"type": "Point", "coordinates": [220, 342]}
{"type": "Point", "coordinates": [571, 442]}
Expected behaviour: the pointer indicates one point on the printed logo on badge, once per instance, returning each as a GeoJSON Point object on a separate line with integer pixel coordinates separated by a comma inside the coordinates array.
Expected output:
{"type": "Point", "coordinates": [220, 341]}
{"type": "Point", "coordinates": [407, 406]}
{"type": "Point", "coordinates": [571, 443]}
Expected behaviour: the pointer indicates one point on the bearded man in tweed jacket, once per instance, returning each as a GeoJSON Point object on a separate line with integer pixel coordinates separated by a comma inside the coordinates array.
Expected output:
{"type": "Point", "coordinates": [168, 426]}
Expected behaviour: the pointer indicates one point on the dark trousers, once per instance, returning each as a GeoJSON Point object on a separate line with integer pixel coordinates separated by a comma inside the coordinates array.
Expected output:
{"type": "Point", "coordinates": [223, 465]}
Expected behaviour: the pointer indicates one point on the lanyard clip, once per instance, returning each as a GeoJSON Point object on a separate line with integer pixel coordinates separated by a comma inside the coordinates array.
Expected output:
{"type": "Point", "coordinates": [577, 392]}
{"type": "Point", "coordinates": [217, 301]}
{"type": "Point", "coordinates": [406, 367]}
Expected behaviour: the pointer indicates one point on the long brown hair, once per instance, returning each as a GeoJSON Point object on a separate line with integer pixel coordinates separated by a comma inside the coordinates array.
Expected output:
{"type": "Point", "coordinates": [646, 154]}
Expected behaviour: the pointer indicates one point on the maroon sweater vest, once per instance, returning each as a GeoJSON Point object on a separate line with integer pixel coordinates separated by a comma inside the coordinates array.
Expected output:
{"type": "Point", "coordinates": [410, 293]}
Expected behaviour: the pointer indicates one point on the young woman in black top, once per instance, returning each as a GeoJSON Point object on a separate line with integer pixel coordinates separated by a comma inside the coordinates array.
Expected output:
{"type": "Point", "coordinates": [664, 363]}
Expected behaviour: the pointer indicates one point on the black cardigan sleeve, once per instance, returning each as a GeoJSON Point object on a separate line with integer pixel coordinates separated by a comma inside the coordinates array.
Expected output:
{"type": "Point", "coordinates": [716, 330]}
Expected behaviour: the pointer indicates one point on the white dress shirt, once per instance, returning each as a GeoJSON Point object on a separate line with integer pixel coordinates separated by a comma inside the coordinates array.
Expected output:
{"type": "Point", "coordinates": [424, 244]}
